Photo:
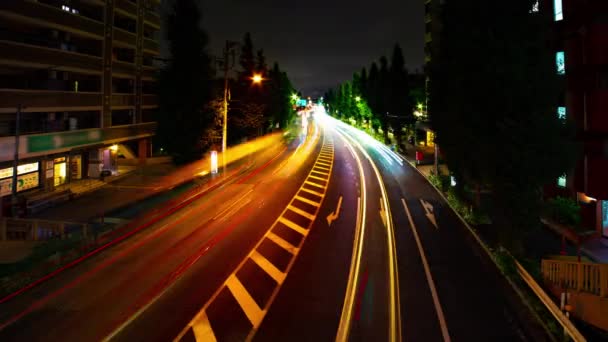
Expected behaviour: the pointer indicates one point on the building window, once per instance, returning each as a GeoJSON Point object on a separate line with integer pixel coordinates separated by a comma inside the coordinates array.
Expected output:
{"type": "Point", "coordinates": [560, 62]}
{"type": "Point", "coordinates": [534, 7]}
{"type": "Point", "coordinates": [561, 181]}
{"type": "Point", "coordinates": [558, 10]}
{"type": "Point", "coordinates": [561, 113]}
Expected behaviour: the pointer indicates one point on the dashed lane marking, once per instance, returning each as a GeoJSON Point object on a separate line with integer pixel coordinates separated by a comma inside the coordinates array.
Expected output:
{"type": "Point", "coordinates": [273, 254]}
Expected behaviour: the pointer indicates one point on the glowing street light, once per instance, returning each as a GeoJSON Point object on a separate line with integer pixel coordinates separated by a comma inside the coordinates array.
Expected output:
{"type": "Point", "coordinates": [295, 97]}
{"type": "Point", "coordinates": [257, 78]}
{"type": "Point", "coordinates": [358, 98]}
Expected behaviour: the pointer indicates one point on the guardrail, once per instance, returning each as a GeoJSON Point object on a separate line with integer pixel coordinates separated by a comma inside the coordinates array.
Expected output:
{"type": "Point", "coordinates": [581, 276]}
{"type": "Point", "coordinates": [565, 322]}
{"type": "Point", "coordinates": [39, 230]}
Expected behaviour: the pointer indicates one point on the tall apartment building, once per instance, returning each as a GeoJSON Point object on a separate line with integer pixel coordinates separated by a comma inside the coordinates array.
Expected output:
{"type": "Point", "coordinates": [432, 22]}
{"type": "Point", "coordinates": [80, 73]}
{"type": "Point", "coordinates": [581, 57]}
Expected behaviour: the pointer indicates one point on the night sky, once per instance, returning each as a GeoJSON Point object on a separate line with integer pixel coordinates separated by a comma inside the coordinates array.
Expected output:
{"type": "Point", "coordinates": [320, 43]}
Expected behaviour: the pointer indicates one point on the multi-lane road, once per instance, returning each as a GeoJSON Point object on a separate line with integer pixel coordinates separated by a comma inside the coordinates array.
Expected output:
{"type": "Point", "coordinates": [333, 237]}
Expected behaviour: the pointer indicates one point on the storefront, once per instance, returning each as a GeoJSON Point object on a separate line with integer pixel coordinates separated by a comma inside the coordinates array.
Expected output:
{"type": "Point", "coordinates": [28, 177]}
{"type": "Point", "coordinates": [60, 171]}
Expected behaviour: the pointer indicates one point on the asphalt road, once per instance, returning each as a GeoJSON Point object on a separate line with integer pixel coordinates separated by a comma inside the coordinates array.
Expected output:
{"type": "Point", "coordinates": [336, 238]}
{"type": "Point", "coordinates": [150, 286]}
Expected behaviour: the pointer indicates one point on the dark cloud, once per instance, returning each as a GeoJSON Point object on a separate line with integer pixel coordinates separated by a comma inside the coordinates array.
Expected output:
{"type": "Point", "coordinates": [320, 43]}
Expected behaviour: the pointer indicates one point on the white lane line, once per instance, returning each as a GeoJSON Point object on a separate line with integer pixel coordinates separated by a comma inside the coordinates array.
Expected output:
{"type": "Point", "coordinates": [307, 201]}
{"type": "Point", "coordinates": [282, 243]}
{"type": "Point", "coordinates": [294, 226]}
{"type": "Point", "coordinates": [323, 163]}
{"type": "Point", "coordinates": [202, 329]}
{"type": "Point", "coordinates": [312, 192]}
{"type": "Point", "coordinates": [321, 168]}
{"type": "Point", "coordinates": [246, 302]}
{"type": "Point", "coordinates": [429, 277]}
{"type": "Point", "coordinates": [268, 267]}
{"type": "Point", "coordinates": [315, 184]}
{"type": "Point", "coordinates": [348, 308]}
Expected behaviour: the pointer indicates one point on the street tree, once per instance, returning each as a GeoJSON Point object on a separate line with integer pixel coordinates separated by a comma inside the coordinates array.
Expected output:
{"type": "Point", "coordinates": [185, 85]}
{"type": "Point", "coordinates": [493, 106]}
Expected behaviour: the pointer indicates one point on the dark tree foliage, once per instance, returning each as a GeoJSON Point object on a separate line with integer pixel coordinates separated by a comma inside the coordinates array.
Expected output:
{"type": "Point", "coordinates": [247, 58]}
{"type": "Point", "coordinates": [399, 99]}
{"type": "Point", "coordinates": [261, 67]}
{"type": "Point", "coordinates": [185, 85]}
{"type": "Point", "coordinates": [280, 106]}
{"type": "Point", "coordinates": [383, 94]}
{"type": "Point", "coordinates": [493, 105]}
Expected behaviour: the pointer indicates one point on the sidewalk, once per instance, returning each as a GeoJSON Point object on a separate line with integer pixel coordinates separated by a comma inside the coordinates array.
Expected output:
{"type": "Point", "coordinates": [131, 188]}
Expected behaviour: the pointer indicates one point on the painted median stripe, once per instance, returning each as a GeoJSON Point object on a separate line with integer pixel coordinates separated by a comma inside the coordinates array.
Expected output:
{"type": "Point", "coordinates": [282, 243]}
{"type": "Point", "coordinates": [202, 329]}
{"type": "Point", "coordinates": [294, 226]}
{"type": "Point", "coordinates": [237, 308]}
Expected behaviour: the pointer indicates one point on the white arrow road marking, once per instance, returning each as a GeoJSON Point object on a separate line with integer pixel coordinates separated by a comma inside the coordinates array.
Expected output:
{"type": "Point", "coordinates": [428, 207]}
{"type": "Point", "coordinates": [334, 215]}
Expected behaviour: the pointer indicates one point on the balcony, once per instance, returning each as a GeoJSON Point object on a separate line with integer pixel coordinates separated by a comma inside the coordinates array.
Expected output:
{"type": "Point", "coordinates": [48, 101]}
{"type": "Point", "coordinates": [124, 37]}
{"type": "Point", "coordinates": [31, 56]}
{"type": "Point", "coordinates": [152, 19]}
{"type": "Point", "coordinates": [126, 8]}
{"type": "Point", "coordinates": [151, 46]}
{"type": "Point", "coordinates": [149, 72]}
{"type": "Point", "coordinates": [123, 69]}
{"type": "Point", "coordinates": [42, 15]}
{"type": "Point", "coordinates": [150, 101]}
{"type": "Point", "coordinates": [123, 100]}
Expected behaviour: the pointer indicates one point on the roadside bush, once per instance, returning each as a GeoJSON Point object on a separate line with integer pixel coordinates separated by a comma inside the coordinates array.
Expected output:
{"type": "Point", "coordinates": [563, 210]}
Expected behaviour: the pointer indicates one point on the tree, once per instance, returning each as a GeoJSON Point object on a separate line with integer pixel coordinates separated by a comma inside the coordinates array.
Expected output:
{"type": "Point", "coordinates": [185, 85]}
{"type": "Point", "coordinates": [383, 95]}
{"type": "Point", "coordinates": [247, 58]}
{"type": "Point", "coordinates": [261, 66]}
{"type": "Point", "coordinates": [399, 97]}
{"type": "Point", "coordinates": [493, 106]}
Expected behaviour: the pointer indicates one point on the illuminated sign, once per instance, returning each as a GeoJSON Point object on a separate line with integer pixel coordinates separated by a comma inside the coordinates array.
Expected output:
{"type": "Point", "coordinates": [213, 161]}
{"type": "Point", "coordinates": [302, 103]}
{"type": "Point", "coordinates": [560, 62]}
{"type": "Point", "coordinates": [24, 182]}
{"type": "Point", "coordinates": [21, 169]}
{"type": "Point", "coordinates": [561, 181]}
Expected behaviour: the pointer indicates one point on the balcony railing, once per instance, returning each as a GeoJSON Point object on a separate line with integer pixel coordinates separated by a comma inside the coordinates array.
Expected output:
{"type": "Point", "coordinates": [46, 100]}
{"type": "Point", "coordinates": [19, 54]}
{"type": "Point", "coordinates": [580, 276]}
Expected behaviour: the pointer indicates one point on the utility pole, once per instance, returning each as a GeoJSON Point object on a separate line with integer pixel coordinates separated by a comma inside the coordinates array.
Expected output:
{"type": "Point", "coordinates": [227, 67]}
{"type": "Point", "coordinates": [16, 161]}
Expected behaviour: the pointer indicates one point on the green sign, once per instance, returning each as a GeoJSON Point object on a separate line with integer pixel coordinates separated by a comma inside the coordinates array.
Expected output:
{"type": "Point", "coordinates": [54, 141]}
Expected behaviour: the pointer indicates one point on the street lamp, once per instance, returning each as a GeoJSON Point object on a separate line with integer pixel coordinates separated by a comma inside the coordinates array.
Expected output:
{"type": "Point", "coordinates": [358, 98]}
{"type": "Point", "coordinates": [295, 97]}
{"type": "Point", "coordinates": [257, 79]}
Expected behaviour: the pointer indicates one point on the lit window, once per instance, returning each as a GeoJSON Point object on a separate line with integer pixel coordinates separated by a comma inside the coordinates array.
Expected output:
{"type": "Point", "coordinates": [561, 113]}
{"type": "Point", "coordinates": [560, 62]}
{"type": "Point", "coordinates": [558, 10]}
{"type": "Point", "coordinates": [561, 181]}
{"type": "Point", "coordinates": [534, 7]}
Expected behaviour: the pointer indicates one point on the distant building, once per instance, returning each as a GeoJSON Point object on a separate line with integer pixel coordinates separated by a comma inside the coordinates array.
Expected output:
{"type": "Point", "coordinates": [432, 32]}
{"type": "Point", "coordinates": [82, 73]}
{"type": "Point", "coordinates": [581, 56]}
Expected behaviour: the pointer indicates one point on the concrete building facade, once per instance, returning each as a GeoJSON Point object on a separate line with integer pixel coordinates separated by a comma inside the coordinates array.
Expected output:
{"type": "Point", "coordinates": [77, 82]}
